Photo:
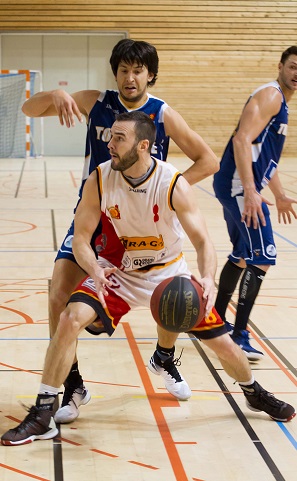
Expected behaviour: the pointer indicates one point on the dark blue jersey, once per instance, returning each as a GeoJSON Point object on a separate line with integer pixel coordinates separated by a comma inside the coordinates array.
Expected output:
{"type": "Point", "coordinates": [266, 152]}
{"type": "Point", "coordinates": [102, 117]}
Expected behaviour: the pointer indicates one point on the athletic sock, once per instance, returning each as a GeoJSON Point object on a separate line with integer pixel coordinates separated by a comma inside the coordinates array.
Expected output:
{"type": "Point", "coordinates": [46, 397]}
{"type": "Point", "coordinates": [249, 388]}
{"type": "Point", "coordinates": [74, 377]}
{"type": "Point", "coordinates": [248, 290]}
{"type": "Point", "coordinates": [247, 383]}
{"type": "Point", "coordinates": [228, 281]}
{"type": "Point", "coordinates": [164, 353]}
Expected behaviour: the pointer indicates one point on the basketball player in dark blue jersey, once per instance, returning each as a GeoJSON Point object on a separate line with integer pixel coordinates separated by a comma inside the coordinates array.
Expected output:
{"type": "Point", "coordinates": [135, 66]}
{"type": "Point", "coordinates": [109, 104]}
{"type": "Point", "coordinates": [249, 163]}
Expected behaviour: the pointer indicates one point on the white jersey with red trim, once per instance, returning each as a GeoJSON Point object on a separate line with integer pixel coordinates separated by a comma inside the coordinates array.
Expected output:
{"type": "Point", "coordinates": [143, 215]}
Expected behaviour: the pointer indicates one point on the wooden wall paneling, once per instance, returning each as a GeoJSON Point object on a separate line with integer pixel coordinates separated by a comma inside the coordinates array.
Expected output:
{"type": "Point", "coordinates": [212, 53]}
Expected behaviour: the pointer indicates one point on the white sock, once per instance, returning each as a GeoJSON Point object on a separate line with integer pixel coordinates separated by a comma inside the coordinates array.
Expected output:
{"type": "Point", "coordinates": [45, 389]}
{"type": "Point", "coordinates": [247, 383]}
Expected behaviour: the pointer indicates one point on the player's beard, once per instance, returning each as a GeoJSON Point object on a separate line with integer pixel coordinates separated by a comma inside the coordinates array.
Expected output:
{"type": "Point", "coordinates": [135, 99]}
{"type": "Point", "coordinates": [127, 160]}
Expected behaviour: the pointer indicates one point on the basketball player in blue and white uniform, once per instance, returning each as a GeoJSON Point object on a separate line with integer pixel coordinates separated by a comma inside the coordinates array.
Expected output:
{"type": "Point", "coordinates": [149, 203]}
{"type": "Point", "coordinates": [135, 66]}
{"type": "Point", "coordinates": [249, 163]}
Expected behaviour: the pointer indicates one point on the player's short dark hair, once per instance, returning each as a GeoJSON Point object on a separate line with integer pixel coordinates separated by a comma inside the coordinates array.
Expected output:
{"type": "Point", "coordinates": [131, 51]}
{"type": "Point", "coordinates": [145, 128]}
{"type": "Point", "coordinates": [290, 51]}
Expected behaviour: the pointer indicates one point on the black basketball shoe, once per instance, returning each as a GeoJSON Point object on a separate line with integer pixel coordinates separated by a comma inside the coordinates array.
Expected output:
{"type": "Point", "coordinates": [257, 399]}
{"type": "Point", "coordinates": [38, 424]}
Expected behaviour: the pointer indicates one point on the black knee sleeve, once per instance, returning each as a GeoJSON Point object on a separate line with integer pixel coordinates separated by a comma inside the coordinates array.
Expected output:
{"type": "Point", "coordinates": [248, 290]}
{"type": "Point", "coordinates": [228, 281]}
{"type": "Point", "coordinates": [251, 282]}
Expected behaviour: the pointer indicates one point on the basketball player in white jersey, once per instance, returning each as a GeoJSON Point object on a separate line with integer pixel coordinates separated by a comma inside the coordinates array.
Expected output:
{"type": "Point", "coordinates": [135, 66]}
{"type": "Point", "coordinates": [148, 202]}
{"type": "Point", "coordinates": [249, 163]}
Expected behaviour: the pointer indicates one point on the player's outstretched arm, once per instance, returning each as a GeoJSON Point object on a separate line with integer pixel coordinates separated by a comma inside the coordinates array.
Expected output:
{"type": "Point", "coordinates": [205, 161]}
{"type": "Point", "coordinates": [59, 103]}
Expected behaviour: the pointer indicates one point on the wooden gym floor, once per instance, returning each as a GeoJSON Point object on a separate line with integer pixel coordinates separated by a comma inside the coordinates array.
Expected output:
{"type": "Point", "coordinates": [132, 428]}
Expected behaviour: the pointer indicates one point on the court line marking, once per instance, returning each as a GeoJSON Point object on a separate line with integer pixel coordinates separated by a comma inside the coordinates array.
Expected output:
{"type": "Point", "coordinates": [280, 360]}
{"type": "Point", "coordinates": [157, 404]}
{"type": "Point", "coordinates": [202, 189]}
{"type": "Point", "coordinates": [291, 438]}
{"type": "Point", "coordinates": [24, 473]}
{"type": "Point", "coordinates": [267, 459]}
{"type": "Point", "coordinates": [32, 371]}
{"type": "Point", "coordinates": [274, 356]}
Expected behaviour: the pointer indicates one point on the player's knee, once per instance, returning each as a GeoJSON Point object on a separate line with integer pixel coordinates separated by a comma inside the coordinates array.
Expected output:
{"type": "Point", "coordinates": [224, 347]}
{"type": "Point", "coordinates": [232, 354]}
{"type": "Point", "coordinates": [70, 323]}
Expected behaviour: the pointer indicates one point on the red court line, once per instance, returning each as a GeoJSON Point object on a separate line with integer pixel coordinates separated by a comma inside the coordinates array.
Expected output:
{"type": "Point", "coordinates": [143, 465]}
{"type": "Point", "coordinates": [157, 402]}
{"type": "Point", "coordinates": [110, 383]}
{"type": "Point", "coordinates": [236, 392]}
{"type": "Point", "coordinates": [24, 296]}
{"type": "Point", "coordinates": [32, 226]}
{"type": "Point", "coordinates": [12, 325]}
{"type": "Point", "coordinates": [20, 369]}
{"type": "Point", "coordinates": [274, 358]}
{"type": "Point", "coordinates": [104, 453]}
{"type": "Point", "coordinates": [73, 179]}
{"type": "Point", "coordinates": [23, 472]}
{"type": "Point", "coordinates": [11, 290]}
{"type": "Point", "coordinates": [27, 318]}
{"type": "Point", "coordinates": [185, 442]}
{"type": "Point", "coordinates": [40, 373]}
{"type": "Point", "coordinates": [69, 441]}
{"type": "Point", "coordinates": [25, 282]}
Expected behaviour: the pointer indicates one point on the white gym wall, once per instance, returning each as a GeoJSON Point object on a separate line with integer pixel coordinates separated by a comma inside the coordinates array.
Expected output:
{"type": "Point", "coordinates": [69, 61]}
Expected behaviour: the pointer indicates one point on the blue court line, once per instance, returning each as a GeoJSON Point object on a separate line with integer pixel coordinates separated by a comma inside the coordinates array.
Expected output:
{"type": "Point", "coordinates": [98, 338]}
{"type": "Point", "coordinates": [205, 190]}
{"type": "Point", "coordinates": [288, 434]}
{"type": "Point", "coordinates": [189, 249]}
{"type": "Point", "coordinates": [94, 338]}
{"type": "Point", "coordinates": [285, 239]}
{"type": "Point", "coordinates": [286, 251]}
{"type": "Point", "coordinates": [285, 338]}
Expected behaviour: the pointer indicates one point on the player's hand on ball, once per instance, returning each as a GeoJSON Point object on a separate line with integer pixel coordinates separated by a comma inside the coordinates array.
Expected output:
{"type": "Point", "coordinates": [209, 293]}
